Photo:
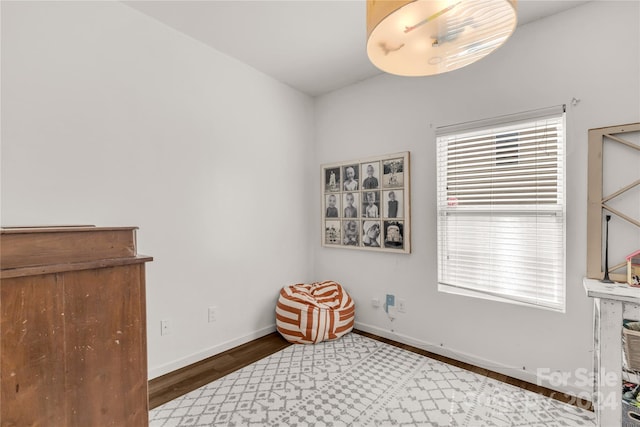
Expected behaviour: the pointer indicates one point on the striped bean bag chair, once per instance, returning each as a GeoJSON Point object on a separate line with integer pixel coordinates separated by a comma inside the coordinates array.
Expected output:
{"type": "Point", "coordinates": [309, 314]}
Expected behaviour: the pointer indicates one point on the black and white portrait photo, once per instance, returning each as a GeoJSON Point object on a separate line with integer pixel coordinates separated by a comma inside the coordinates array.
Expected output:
{"type": "Point", "coordinates": [350, 202]}
{"type": "Point", "coordinates": [332, 205]}
{"type": "Point", "coordinates": [371, 204]}
{"type": "Point", "coordinates": [351, 233]}
{"type": "Point", "coordinates": [393, 173]}
{"type": "Point", "coordinates": [350, 182]}
{"type": "Point", "coordinates": [393, 234]}
{"type": "Point", "coordinates": [370, 175]}
{"type": "Point", "coordinates": [393, 204]}
{"type": "Point", "coordinates": [332, 232]}
{"type": "Point", "coordinates": [332, 179]}
{"type": "Point", "coordinates": [371, 234]}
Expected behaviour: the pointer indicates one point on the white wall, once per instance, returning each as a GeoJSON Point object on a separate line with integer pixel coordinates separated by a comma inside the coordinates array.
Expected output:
{"type": "Point", "coordinates": [546, 63]}
{"type": "Point", "coordinates": [111, 118]}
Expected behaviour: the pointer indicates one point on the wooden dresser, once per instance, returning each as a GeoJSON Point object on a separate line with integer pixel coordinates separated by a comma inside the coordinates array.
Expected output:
{"type": "Point", "coordinates": [73, 348]}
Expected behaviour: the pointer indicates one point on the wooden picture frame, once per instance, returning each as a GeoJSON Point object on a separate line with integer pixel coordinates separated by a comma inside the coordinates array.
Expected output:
{"type": "Point", "coordinates": [366, 204]}
{"type": "Point", "coordinates": [600, 204]}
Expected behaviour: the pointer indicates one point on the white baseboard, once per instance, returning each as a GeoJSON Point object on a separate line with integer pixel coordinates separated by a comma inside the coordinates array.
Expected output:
{"type": "Point", "coordinates": [530, 377]}
{"type": "Point", "coordinates": [158, 371]}
{"type": "Point", "coordinates": [511, 371]}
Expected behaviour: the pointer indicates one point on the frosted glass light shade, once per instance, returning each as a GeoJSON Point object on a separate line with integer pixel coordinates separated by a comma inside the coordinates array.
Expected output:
{"type": "Point", "coordinates": [426, 37]}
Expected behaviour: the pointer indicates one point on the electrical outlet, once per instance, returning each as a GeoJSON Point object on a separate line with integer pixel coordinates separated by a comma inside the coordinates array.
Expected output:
{"type": "Point", "coordinates": [165, 327]}
{"type": "Point", "coordinates": [213, 311]}
{"type": "Point", "coordinates": [402, 305]}
{"type": "Point", "coordinates": [375, 302]}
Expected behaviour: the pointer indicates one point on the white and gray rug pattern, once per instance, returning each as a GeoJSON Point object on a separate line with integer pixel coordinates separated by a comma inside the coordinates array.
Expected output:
{"type": "Point", "coordinates": [357, 381]}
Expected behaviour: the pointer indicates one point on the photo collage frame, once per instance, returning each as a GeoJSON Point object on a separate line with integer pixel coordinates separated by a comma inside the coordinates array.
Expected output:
{"type": "Point", "coordinates": [366, 204]}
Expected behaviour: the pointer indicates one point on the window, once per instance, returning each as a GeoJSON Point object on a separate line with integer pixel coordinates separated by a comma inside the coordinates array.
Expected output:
{"type": "Point", "coordinates": [501, 209]}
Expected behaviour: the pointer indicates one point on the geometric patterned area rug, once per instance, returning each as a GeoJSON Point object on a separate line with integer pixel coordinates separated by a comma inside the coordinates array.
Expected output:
{"type": "Point", "coordinates": [358, 381]}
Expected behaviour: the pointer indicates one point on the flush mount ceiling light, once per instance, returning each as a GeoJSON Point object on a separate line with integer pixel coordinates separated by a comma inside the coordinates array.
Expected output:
{"type": "Point", "coordinates": [426, 37]}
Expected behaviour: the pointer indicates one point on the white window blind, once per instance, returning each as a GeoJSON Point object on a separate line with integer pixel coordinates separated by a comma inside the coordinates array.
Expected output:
{"type": "Point", "coordinates": [501, 208]}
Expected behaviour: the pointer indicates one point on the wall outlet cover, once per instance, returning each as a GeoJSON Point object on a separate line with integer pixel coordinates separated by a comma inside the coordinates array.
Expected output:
{"type": "Point", "coordinates": [165, 327]}
{"type": "Point", "coordinates": [402, 305]}
{"type": "Point", "coordinates": [212, 314]}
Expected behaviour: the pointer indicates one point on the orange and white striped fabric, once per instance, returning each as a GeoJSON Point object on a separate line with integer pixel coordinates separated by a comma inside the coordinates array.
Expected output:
{"type": "Point", "coordinates": [309, 314]}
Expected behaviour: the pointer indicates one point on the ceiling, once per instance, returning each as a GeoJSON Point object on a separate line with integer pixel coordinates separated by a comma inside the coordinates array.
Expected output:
{"type": "Point", "coordinates": [315, 46]}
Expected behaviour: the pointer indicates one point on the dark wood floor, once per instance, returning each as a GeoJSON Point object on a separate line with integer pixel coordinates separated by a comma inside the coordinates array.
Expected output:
{"type": "Point", "coordinates": [175, 384]}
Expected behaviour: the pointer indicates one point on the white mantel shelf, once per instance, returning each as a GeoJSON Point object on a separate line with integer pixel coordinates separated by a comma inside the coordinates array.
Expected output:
{"type": "Point", "coordinates": [613, 302]}
{"type": "Point", "coordinates": [612, 291]}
